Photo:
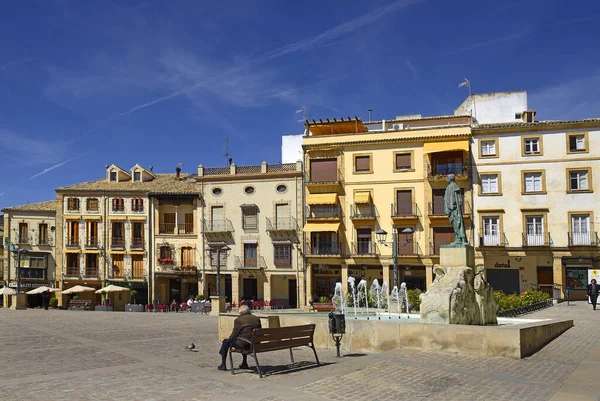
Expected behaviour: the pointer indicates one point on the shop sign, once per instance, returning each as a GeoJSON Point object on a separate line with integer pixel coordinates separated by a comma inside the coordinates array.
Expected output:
{"type": "Point", "coordinates": [29, 285]}
{"type": "Point", "coordinates": [499, 265]}
{"type": "Point", "coordinates": [328, 272]}
{"type": "Point", "coordinates": [593, 274]}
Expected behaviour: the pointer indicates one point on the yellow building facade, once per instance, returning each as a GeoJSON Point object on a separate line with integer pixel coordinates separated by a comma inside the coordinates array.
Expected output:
{"type": "Point", "coordinates": [385, 175]}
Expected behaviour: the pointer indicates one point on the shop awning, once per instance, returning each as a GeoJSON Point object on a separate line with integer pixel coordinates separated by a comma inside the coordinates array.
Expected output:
{"type": "Point", "coordinates": [321, 227]}
{"type": "Point", "coordinates": [362, 197]}
{"type": "Point", "coordinates": [322, 199]}
{"type": "Point", "coordinates": [71, 250]}
{"type": "Point", "coordinates": [92, 217]}
{"type": "Point", "coordinates": [433, 147]}
{"type": "Point", "coordinates": [117, 217]}
{"type": "Point", "coordinates": [140, 218]}
{"type": "Point", "coordinates": [250, 241]}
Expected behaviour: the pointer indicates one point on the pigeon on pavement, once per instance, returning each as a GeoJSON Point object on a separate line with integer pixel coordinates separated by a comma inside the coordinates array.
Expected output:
{"type": "Point", "coordinates": [191, 346]}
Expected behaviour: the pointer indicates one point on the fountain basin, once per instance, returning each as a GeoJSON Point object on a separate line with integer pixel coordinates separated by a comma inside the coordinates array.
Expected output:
{"type": "Point", "coordinates": [512, 338]}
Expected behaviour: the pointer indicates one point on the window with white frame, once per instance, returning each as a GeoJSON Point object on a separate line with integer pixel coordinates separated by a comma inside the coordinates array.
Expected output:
{"type": "Point", "coordinates": [533, 182]}
{"type": "Point", "coordinates": [532, 145]}
{"type": "Point", "coordinates": [491, 230]}
{"type": "Point", "coordinates": [580, 229]}
{"type": "Point", "coordinates": [488, 148]}
{"type": "Point", "coordinates": [535, 230]}
{"type": "Point", "coordinates": [489, 183]}
{"type": "Point", "coordinates": [576, 143]}
{"type": "Point", "coordinates": [578, 180]}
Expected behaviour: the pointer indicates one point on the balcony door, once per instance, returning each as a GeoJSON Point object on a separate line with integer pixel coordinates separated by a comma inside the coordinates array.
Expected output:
{"type": "Point", "coordinates": [404, 203]}
{"type": "Point", "coordinates": [323, 170]}
{"type": "Point", "coordinates": [535, 230]}
{"type": "Point", "coordinates": [217, 217]}
{"type": "Point", "coordinates": [580, 226]}
{"type": "Point", "coordinates": [438, 201]}
{"type": "Point", "coordinates": [491, 231]}
{"type": "Point", "coordinates": [442, 236]}
{"type": "Point", "coordinates": [364, 240]}
{"type": "Point", "coordinates": [250, 257]}
{"type": "Point", "coordinates": [405, 241]}
{"type": "Point", "coordinates": [324, 243]}
{"type": "Point", "coordinates": [282, 216]}
{"type": "Point", "coordinates": [138, 234]}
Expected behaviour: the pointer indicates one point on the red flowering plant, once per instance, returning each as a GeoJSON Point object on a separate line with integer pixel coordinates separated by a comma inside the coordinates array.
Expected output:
{"type": "Point", "coordinates": [165, 261]}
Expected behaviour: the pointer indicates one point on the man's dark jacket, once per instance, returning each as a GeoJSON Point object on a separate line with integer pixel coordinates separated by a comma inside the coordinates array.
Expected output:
{"type": "Point", "coordinates": [589, 290]}
{"type": "Point", "coordinates": [242, 327]}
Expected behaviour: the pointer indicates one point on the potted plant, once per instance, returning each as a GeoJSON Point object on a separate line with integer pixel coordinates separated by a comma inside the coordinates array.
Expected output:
{"type": "Point", "coordinates": [134, 307]}
{"type": "Point", "coordinates": [53, 303]}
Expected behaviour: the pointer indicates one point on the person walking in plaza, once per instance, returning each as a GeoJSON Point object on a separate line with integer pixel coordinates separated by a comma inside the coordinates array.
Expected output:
{"type": "Point", "coordinates": [592, 290]}
{"type": "Point", "coordinates": [242, 328]}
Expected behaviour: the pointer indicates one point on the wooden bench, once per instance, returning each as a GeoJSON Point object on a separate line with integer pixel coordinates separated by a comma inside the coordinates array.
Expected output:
{"type": "Point", "coordinates": [275, 339]}
{"type": "Point", "coordinates": [81, 303]}
{"type": "Point", "coordinates": [323, 307]}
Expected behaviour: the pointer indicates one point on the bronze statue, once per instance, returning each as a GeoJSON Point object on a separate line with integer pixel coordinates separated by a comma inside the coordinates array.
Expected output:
{"type": "Point", "coordinates": [453, 208]}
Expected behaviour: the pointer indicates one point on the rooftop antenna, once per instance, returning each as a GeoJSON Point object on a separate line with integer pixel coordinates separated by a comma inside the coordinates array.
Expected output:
{"type": "Point", "coordinates": [227, 151]}
{"type": "Point", "coordinates": [467, 83]}
{"type": "Point", "coordinates": [304, 113]}
{"type": "Point", "coordinates": [370, 115]}
{"type": "Point", "coordinates": [180, 164]}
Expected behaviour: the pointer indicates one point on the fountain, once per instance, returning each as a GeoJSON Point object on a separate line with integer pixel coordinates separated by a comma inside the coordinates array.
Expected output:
{"type": "Point", "coordinates": [362, 289]}
{"type": "Point", "coordinates": [403, 298]}
{"type": "Point", "coordinates": [353, 289]}
{"type": "Point", "coordinates": [338, 298]}
{"type": "Point", "coordinates": [375, 292]}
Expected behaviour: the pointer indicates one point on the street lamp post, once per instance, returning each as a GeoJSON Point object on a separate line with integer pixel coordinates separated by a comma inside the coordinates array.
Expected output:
{"type": "Point", "coordinates": [224, 250]}
{"type": "Point", "coordinates": [18, 252]}
{"type": "Point", "coordinates": [382, 236]}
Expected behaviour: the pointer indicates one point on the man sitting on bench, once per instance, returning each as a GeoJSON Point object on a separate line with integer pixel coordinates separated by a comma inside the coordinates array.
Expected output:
{"type": "Point", "coordinates": [242, 327]}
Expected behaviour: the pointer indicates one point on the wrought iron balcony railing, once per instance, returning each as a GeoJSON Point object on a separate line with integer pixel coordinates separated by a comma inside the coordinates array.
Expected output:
{"type": "Point", "coordinates": [439, 171]}
{"type": "Point", "coordinates": [409, 249]}
{"type": "Point", "coordinates": [218, 226]}
{"type": "Point", "coordinates": [363, 211]}
{"type": "Point", "coordinates": [185, 228]}
{"type": "Point", "coordinates": [45, 240]}
{"type": "Point", "coordinates": [91, 242]}
{"type": "Point", "coordinates": [23, 239]}
{"type": "Point", "coordinates": [282, 224]}
{"type": "Point", "coordinates": [254, 263]}
{"type": "Point", "coordinates": [72, 271]}
{"type": "Point", "coordinates": [91, 272]}
{"type": "Point", "coordinates": [117, 242]}
{"type": "Point", "coordinates": [583, 239]}
{"type": "Point", "coordinates": [72, 242]}
{"type": "Point", "coordinates": [324, 249]}
{"type": "Point", "coordinates": [166, 228]}
{"type": "Point", "coordinates": [321, 212]}
{"type": "Point", "coordinates": [365, 248]}
{"type": "Point", "coordinates": [497, 239]}
{"type": "Point", "coordinates": [543, 239]}
{"type": "Point", "coordinates": [405, 210]}
{"type": "Point", "coordinates": [137, 243]}
{"type": "Point", "coordinates": [437, 208]}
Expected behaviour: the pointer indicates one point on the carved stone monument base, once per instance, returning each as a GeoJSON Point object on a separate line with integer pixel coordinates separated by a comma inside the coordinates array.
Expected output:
{"type": "Point", "coordinates": [458, 295]}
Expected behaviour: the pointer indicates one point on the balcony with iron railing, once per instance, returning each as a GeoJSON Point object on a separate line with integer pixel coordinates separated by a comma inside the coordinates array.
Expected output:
{"type": "Point", "coordinates": [45, 240]}
{"type": "Point", "coordinates": [217, 227]}
{"type": "Point", "coordinates": [285, 261]}
{"type": "Point", "coordinates": [117, 243]}
{"type": "Point", "coordinates": [257, 263]}
{"type": "Point", "coordinates": [166, 228]}
{"type": "Point", "coordinates": [72, 242]}
{"type": "Point", "coordinates": [324, 249]}
{"type": "Point", "coordinates": [324, 178]}
{"type": "Point", "coordinates": [91, 272]}
{"type": "Point", "coordinates": [409, 248]}
{"type": "Point", "coordinates": [23, 239]}
{"type": "Point", "coordinates": [436, 209]}
{"type": "Point", "coordinates": [118, 208]}
{"type": "Point", "coordinates": [137, 243]}
{"type": "Point", "coordinates": [323, 212]}
{"type": "Point", "coordinates": [92, 242]}
{"type": "Point", "coordinates": [360, 211]}
{"type": "Point", "coordinates": [405, 211]}
{"type": "Point", "coordinates": [583, 239]}
{"type": "Point", "coordinates": [364, 248]}
{"type": "Point", "coordinates": [543, 239]}
{"type": "Point", "coordinates": [137, 208]}
{"type": "Point", "coordinates": [282, 224]}
{"type": "Point", "coordinates": [185, 228]}
{"type": "Point", "coordinates": [493, 240]}
{"type": "Point", "coordinates": [437, 171]}
{"type": "Point", "coordinates": [72, 271]}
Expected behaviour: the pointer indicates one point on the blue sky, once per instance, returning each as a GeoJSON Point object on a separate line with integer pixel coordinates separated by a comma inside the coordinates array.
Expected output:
{"type": "Point", "coordinates": [85, 84]}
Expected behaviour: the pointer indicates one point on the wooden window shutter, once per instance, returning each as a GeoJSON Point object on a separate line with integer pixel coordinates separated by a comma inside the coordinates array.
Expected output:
{"type": "Point", "coordinates": [250, 219]}
{"type": "Point", "coordinates": [363, 163]}
{"type": "Point", "coordinates": [323, 170]}
{"type": "Point", "coordinates": [402, 161]}
{"type": "Point", "coordinates": [404, 202]}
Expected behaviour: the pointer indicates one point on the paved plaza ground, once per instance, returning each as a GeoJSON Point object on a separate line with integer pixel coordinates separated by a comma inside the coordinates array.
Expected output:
{"type": "Point", "coordinates": [64, 355]}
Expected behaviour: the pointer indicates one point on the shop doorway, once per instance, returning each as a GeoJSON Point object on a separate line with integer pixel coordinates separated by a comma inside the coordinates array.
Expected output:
{"type": "Point", "coordinates": [506, 280]}
{"type": "Point", "coordinates": [174, 290]}
{"type": "Point", "coordinates": [545, 279]}
{"type": "Point", "coordinates": [228, 288]}
{"type": "Point", "coordinates": [292, 294]}
{"type": "Point", "coordinates": [250, 288]}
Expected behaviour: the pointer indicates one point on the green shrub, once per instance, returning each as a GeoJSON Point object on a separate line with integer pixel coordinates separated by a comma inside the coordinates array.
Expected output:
{"type": "Point", "coordinates": [133, 294]}
{"type": "Point", "coordinates": [414, 299]}
{"type": "Point", "coordinates": [323, 299]}
{"type": "Point", "coordinates": [512, 301]}
{"type": "Point", "coordinates": [199, 297]}
{"type": "Point", "coordinates": [76, 297]}
{"type": "Point", "coordinates": [53, 302]}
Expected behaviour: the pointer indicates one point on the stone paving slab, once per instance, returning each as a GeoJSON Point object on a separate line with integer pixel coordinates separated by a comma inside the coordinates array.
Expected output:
{"type": "Point", "coordinates": [140, 356]}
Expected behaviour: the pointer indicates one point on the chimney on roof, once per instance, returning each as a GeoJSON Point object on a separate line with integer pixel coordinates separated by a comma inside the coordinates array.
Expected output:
{"type": "Point", "coordinates": [528, 116]}
{"type": "Point", "coordinates": [177, 171]}
{"type": "Point", "coordinates": [230, 160]}
{"type": "Point", "coordinates": [370, 115]}
{"type": "Point", "coordinates": [151, 168]}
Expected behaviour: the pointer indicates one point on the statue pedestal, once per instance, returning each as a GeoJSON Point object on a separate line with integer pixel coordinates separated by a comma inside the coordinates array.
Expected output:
{"type": "Point", "coordinates": [457, 256]}
{"type": "Point", "coordinates": [218, 305]}
{"type": "Point", "coordinates": [18, 301]}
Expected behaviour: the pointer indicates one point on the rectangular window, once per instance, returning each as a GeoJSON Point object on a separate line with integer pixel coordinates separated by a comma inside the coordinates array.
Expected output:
{"type": "Point", "coordinates": [578, 180]}
{"type": "Point", "coordinates": [532, 145]}
{"type": "Point", "coordinates": [362, 163]}
{"type": "Point", "coordinates": [533, 182]}
{"type": "Point", "coordinates": [117, 239]}
{"type": "Point", "coordinates": [577, 277]}
{"type": "Point", "coordinates": [72, 233]}
{"type": "Point", "coordinates": [137, 176]}
{"type": "Point", "coordinates": [137, 204]}
{"type": "Point", "coordinates": [91, 265]}
{"type": "Point", "coordinates": [250, 216]}
{"type": "Point", "coordinates": [165, 252]}
{"type": "Point", "coordinates": [187, 256]}
{"type": "Point", "coordinates": [43, 234]}
{"type": "Point", "coordinates": [137, 266]}
{"type": "Point", "coordinates": [534, 226]}
{"type": "Point", "coordinates": [92, 234]}
{"type": "Point", "coordinates": [118, 266]}
{"type": "Point", "coordinates": [491, 230]}
{"type": "Point", "coordinates": [283, 255]}
{"type": "Point", "coordinates": [403, 161]}
{"type": "Point", "coordinates": [188, 226]}
{"type": "Point", "coordinates": [577, 142]}
{"type": "Point", "coordinates": [92, 205]}
{"type": "Point", "coordinates": [250, 258]}
{"type": "Point", "coordinates": [323, 170]}
{"type": "Point", "coordinates": [404, 204]}
{"type": "Point", "coordinates": [405, 245]}
{"type": "Point", "coordinates": [137, 231]}
{"type": "Point", "coordinates": [580, 229]}
{"type": "Point", "coordinates": [73, 264]}
{"type": "Point", "coordinates": [38, 262]}
{"type": "Point", "coordinates": [168, 224]}
{"type": "Point", "coordinates": [72, 204]}
{"type": "Point", "coordinates": [489, 184]}
{"type": "Point", "coordinates": [113, 176]}
{"type": "Point", "coordinates": [488, 148]}
{"type": "Point", "coordinates": [118, 204]}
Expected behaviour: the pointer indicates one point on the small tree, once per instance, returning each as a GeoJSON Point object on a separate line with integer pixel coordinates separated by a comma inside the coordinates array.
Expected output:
{"type": "Point", "coordinates": [53, 302]}
{"type": "Point", "coordinates": [199, 297]}
{"type": "Point", "coordinates": [103, 293]}
{"type": "Point", "coordinates": [76, 297]}
{"type": "Point", "coordinates": [133, 294]}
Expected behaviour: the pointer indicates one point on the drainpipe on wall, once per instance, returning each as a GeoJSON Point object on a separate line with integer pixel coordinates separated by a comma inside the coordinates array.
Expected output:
{"type": "Point", "coordinates": [150, 257]}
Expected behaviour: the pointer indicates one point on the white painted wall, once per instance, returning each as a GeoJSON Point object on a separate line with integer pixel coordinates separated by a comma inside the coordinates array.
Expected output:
{"type": "Point", "coordinates": [291, 148]}
{"type": "Point", "coordinates": [494, 107]}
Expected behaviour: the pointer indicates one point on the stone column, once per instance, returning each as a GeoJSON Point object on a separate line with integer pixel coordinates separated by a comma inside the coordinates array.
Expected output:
{"type": "Point", "coordinates": [558, 273]}
{"type": "Point", "coordinates": [386, 276]}
{"type": "Point", "coordinates": [345, 278]}
{"type": "Point", "coordinates": [309, 283]}
{"type": "Point", "coordinates": [428, 276]}
{"type": "Point", "coordinates": [235, 288]}
{"type": "Point", "coordinates": [267, 287]}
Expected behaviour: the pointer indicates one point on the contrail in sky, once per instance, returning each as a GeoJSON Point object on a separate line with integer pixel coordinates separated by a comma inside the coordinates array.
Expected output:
{"type": "Point", "coordinates": [48, 169]}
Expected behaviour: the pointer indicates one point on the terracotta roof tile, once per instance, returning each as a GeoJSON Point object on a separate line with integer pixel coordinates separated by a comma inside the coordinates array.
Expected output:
{"type": "Point", "coordinates": [48, 206]}
{"type": "Point", "coordinates": [522, 124]}
{"type": "Point", "coordinates": [162, 184]}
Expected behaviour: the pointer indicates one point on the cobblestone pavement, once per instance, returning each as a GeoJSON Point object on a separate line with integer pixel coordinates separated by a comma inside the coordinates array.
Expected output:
{"type": "Point", "coordinates": [67, 355]}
